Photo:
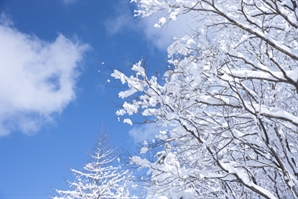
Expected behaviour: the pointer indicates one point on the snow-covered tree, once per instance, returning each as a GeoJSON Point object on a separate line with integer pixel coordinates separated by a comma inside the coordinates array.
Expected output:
{"type": "Point", "coordinates": [229, 100]}
{"type": "Point", "coordinates": [99, 179]}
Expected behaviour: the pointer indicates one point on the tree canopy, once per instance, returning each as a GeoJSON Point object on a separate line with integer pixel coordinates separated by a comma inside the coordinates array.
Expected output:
{"type": "Point", "coordinates": [229, 100]}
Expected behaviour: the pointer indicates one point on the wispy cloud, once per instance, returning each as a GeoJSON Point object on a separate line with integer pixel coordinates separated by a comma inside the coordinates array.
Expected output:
{"type": "Point", "coordinates": [145, 132]}
{"type": "Point", "coordinates": [38, 78]}
{"type": "Point", "coordinates": [124, 20]}
{"type": "Point", "coordinates": [69, 1]}
{"type": "Point", "coordinates": [164, 36]}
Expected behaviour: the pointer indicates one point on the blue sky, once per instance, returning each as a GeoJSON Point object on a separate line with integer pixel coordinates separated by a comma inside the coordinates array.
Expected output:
{"type": "Point", "coordinates": [55, 64]}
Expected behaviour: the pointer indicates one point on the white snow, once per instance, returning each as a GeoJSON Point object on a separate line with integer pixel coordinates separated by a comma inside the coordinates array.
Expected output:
{"type": "Point", "coordinates": [127, 121]}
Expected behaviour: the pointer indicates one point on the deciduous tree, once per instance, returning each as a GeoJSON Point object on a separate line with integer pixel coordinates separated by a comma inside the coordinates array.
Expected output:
{"type": "Point", "coordinates": [230, 100]}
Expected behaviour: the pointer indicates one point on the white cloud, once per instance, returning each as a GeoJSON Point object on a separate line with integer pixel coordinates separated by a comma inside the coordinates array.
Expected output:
{"type": "Point", "coordinates": [38, 78]}
{"type": "Point", "coordinates": [122, 19]}
{"type": "Point", "coordinates": [161, 37]}
{"type": "Point", "coordinates": [69, 1]}
{"type": "Point", "coordinates": [145, 132]}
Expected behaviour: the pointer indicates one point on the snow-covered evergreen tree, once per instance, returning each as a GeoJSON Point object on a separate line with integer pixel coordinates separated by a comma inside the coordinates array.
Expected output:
{"type": "Point", "coordinates": [99, 179]}
{"type": "Point", "coordinates": [229, 100]}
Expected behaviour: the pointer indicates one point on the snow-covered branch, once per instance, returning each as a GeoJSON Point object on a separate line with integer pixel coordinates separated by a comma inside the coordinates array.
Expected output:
{"type": "Point", "coordinates": [99, 179]}
{"type": "Point", "coordinates": [229, 101]}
